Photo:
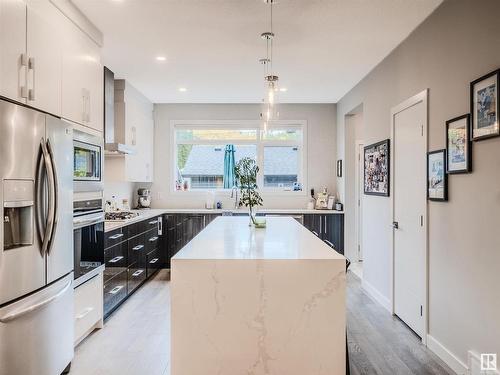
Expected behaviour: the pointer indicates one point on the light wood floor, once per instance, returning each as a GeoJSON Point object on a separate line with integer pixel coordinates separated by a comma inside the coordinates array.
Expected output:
{"type": "Point", "coordinates": [135, 340]}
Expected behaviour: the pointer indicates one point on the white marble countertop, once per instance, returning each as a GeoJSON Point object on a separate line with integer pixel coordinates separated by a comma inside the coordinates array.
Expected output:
{"type": "Point", "coordinates": [231, 237]}
{"type": "Point", "coordinates": [145, 214]}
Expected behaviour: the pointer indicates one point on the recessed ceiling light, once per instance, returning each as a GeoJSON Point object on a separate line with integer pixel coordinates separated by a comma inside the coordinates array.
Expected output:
{"type": "Point", "coordinates": [283, 89]}
{"type": "Point", "coordinates": [161, 58]}
{"type": "Point", "coordinates": [182, 89]}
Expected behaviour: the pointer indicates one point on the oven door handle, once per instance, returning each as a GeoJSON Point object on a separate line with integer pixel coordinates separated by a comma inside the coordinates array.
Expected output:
{"type": "Point", "coordinates": [85, 221]}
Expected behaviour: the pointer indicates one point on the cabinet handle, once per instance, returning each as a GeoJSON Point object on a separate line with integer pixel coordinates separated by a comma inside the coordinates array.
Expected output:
{"type": "Point", "coordinates": [154, 222]}
{"type": "Point", "coordinates": [138, 247]}
{"type": "Point", "coordinates": [116, 259]}
{"type": "Point", "coordinates": [137, 273]}
{"type": "Point", "coordinates": [24, 65]}
{"type": "Point", "coordinates": [330, 244]}
{"type": "Point", "coordinates": [153, 239]}
{"type": "Point", "coordinates": [116, 236]}
{"type": "Point", "coordinates": [85, 313]}
{"type": "Point", "coordinates": [116, 289]}
{"type": "Point", "coordinates": [31, 66]}
{"type": "Point", "coordinates": [315, 233]}
{"type": "Point", "coordinates": [325, 225]}
{"type": "Point", "coordinates": [153, 261]}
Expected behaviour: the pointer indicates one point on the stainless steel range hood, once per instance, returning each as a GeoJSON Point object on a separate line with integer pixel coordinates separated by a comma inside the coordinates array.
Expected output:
{"type": "Point", "coordinates": [114, 138]}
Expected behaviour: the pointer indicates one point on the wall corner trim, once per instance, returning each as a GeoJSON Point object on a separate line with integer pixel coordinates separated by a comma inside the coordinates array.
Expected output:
{"type": "Point", "coordinates": [376, 295]}
{"type": "Point", "coordinates": [448, 357]}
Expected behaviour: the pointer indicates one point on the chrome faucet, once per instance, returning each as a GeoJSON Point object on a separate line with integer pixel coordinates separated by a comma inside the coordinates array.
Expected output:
{"type": "Point", "coordinates": [235, 196]}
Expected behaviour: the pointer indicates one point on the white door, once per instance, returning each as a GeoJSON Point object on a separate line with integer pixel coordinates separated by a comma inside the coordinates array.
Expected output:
{"type": "Point", "coordinates": [409, 207]}
{"type": "Point", "coordinates": [359, 197]}
{"type": "Point", "coordinates": [12, 47]}
{"type": "Point", "coordinates": [44, 48]}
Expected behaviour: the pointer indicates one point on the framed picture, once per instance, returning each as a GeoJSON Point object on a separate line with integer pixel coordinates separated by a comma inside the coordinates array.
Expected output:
{"type": "Point", "coordinates": [458, 145]}
{"type": "Point", "coordinates": [437, 179]}
{"type": "Point", "coordinates": [377, 165]}
{"type": "Point", "coordinates": [484, 106]}
{"type": "Point", "coordinates": [339, 168]}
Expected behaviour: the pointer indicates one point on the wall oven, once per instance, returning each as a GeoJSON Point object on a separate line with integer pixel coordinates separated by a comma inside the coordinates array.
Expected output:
{"type": "Point", "coordinates": [88, 236]}
{"type": "Point", "coordinates": [88, 160]}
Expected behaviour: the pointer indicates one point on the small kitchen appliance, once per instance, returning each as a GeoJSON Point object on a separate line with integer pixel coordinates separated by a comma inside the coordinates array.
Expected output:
{"type": "Point", "coordinates": [144, 198]}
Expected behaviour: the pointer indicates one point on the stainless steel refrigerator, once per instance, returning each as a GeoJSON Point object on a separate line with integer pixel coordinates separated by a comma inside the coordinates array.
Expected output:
{"type": "Point", "coordinates": [36, 242]}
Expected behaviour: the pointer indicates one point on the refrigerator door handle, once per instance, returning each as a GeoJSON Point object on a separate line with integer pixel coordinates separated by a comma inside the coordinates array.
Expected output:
{"type": "Point", "coordinates": [19, 313]}
{"type": "Point", "coordinates": [39, 199]}
{"type": "Point", "coordinates": [54, 197]}
{"type": "Point", "coordinates": [50, 214]}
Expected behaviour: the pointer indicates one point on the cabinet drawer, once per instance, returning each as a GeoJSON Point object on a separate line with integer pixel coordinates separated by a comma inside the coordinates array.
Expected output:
{"type": "Point", "coordinates": [88, 306]}
{"type": "Point", "coordinates": [135, 277]}
{"type": "Point", "coordinates": [115, 291]}
{"type": "Point", "coordinates": [137, 250]}
{"type": "Point", "coordinates": [151, 224]}
{"type": "Point", "coordinates": [114, 237]}
{"type": "Point", "coordinates": [153, 262]}
{"type": "Point", "coordinates": [115, 259]}
{"type": "Point", "coordinates": [152, 240]}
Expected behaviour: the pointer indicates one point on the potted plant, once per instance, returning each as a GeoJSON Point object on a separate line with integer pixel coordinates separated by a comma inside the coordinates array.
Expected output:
{"type": "Point", "coordinates": [246, 179]}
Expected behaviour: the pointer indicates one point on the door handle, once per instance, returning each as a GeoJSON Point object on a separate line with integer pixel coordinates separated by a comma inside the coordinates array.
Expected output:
{"type": "Point", "coordinates": [50, 215]}
{"type": "Point", "coordinates": [55, 195]}
{"type": "Point", "coordinates": [84, 313]}
{"type": "Point", "coordinates": [31, 66]}
{"type": "Point", "coordinates": [17, 314]}
{"type": "Point", "coordinates": [395, 225]}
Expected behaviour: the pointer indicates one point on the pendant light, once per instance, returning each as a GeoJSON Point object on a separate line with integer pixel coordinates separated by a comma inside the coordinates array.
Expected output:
{"type": "Point", "coordinates": [269, 110]}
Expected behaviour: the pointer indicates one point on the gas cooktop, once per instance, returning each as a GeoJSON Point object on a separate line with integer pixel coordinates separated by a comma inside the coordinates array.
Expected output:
{"type": "Point", "coordinates": [120, 215]}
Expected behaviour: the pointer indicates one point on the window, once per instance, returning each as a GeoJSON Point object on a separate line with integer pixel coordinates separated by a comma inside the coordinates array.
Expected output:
{"type": "Point", "coordinates": [200, 151]}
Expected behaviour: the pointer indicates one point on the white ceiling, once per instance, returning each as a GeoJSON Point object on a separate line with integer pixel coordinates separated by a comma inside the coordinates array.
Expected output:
{"type": "Point", "coordinates": [322, 47]}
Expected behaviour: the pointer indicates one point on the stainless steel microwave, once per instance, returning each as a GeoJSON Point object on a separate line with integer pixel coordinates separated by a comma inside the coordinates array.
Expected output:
{"type": "Point", "coordinates": [88, 158]}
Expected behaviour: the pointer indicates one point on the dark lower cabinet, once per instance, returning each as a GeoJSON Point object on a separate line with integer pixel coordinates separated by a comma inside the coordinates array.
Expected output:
{"type": "Point", "coordinates": [132, 256]}
{"type": "Point", "coordinates": [114, 292]}
{"type": "Point", "coordinates": [153, 262]}
{"type": "Point", "coordinates": [135, 277]}
{"type": "Point", "coordinates": [179, 229]}
{"type": "Point", "coordinates": [328, 227]}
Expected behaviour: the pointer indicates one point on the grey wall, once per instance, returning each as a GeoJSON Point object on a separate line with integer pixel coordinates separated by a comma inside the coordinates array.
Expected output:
{"type": "Point", "coordinates": [458, 43]}
{"type": "Point", "coordinates": [321, 150]}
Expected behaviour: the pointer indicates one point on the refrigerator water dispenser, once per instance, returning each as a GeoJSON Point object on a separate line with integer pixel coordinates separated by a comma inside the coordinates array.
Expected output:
{"type": "Point", "coordinates": [18, 207]}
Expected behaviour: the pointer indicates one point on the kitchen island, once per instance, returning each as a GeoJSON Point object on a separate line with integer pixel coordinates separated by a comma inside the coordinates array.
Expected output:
{"type": "Point", "coordinates": [257, 301]}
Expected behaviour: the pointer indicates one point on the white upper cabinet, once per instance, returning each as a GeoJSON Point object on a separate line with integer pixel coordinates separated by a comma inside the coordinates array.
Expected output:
{"type": "Point", "coordinates": [13, 50]}
{"type": "Point", "coordinates": [82, 78]}
{"type": "Point", "coordinates": [44, 49]}
{"type": "Point", "coordinates": [48, 62]}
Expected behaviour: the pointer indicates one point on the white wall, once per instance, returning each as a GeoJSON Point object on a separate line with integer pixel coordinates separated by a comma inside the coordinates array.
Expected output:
{"type": "Point", "coordinates": [321, 150]}
{"type": "Point", "coordinates": [458, 43]}
{"type": "Point", "coordinates": [353, 133]}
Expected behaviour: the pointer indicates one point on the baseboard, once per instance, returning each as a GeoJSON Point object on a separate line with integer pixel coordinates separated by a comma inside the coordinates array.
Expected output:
{"type": "Point", "coordinates": [376, 295]}
{"type": "Point", "coordinates": [448, 357]}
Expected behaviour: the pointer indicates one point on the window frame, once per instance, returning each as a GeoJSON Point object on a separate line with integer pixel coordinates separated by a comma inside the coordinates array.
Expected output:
{"type": "Point", "coordinates": [259, 142]}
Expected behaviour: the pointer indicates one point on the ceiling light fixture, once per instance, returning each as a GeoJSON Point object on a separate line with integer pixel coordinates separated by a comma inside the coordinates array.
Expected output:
{"type": "Point", "coordinates": [182, 89]}
{"type": "Point", "coordinates": [270, 102]}
{"type": "Point", "coordinates": [161, 58]}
